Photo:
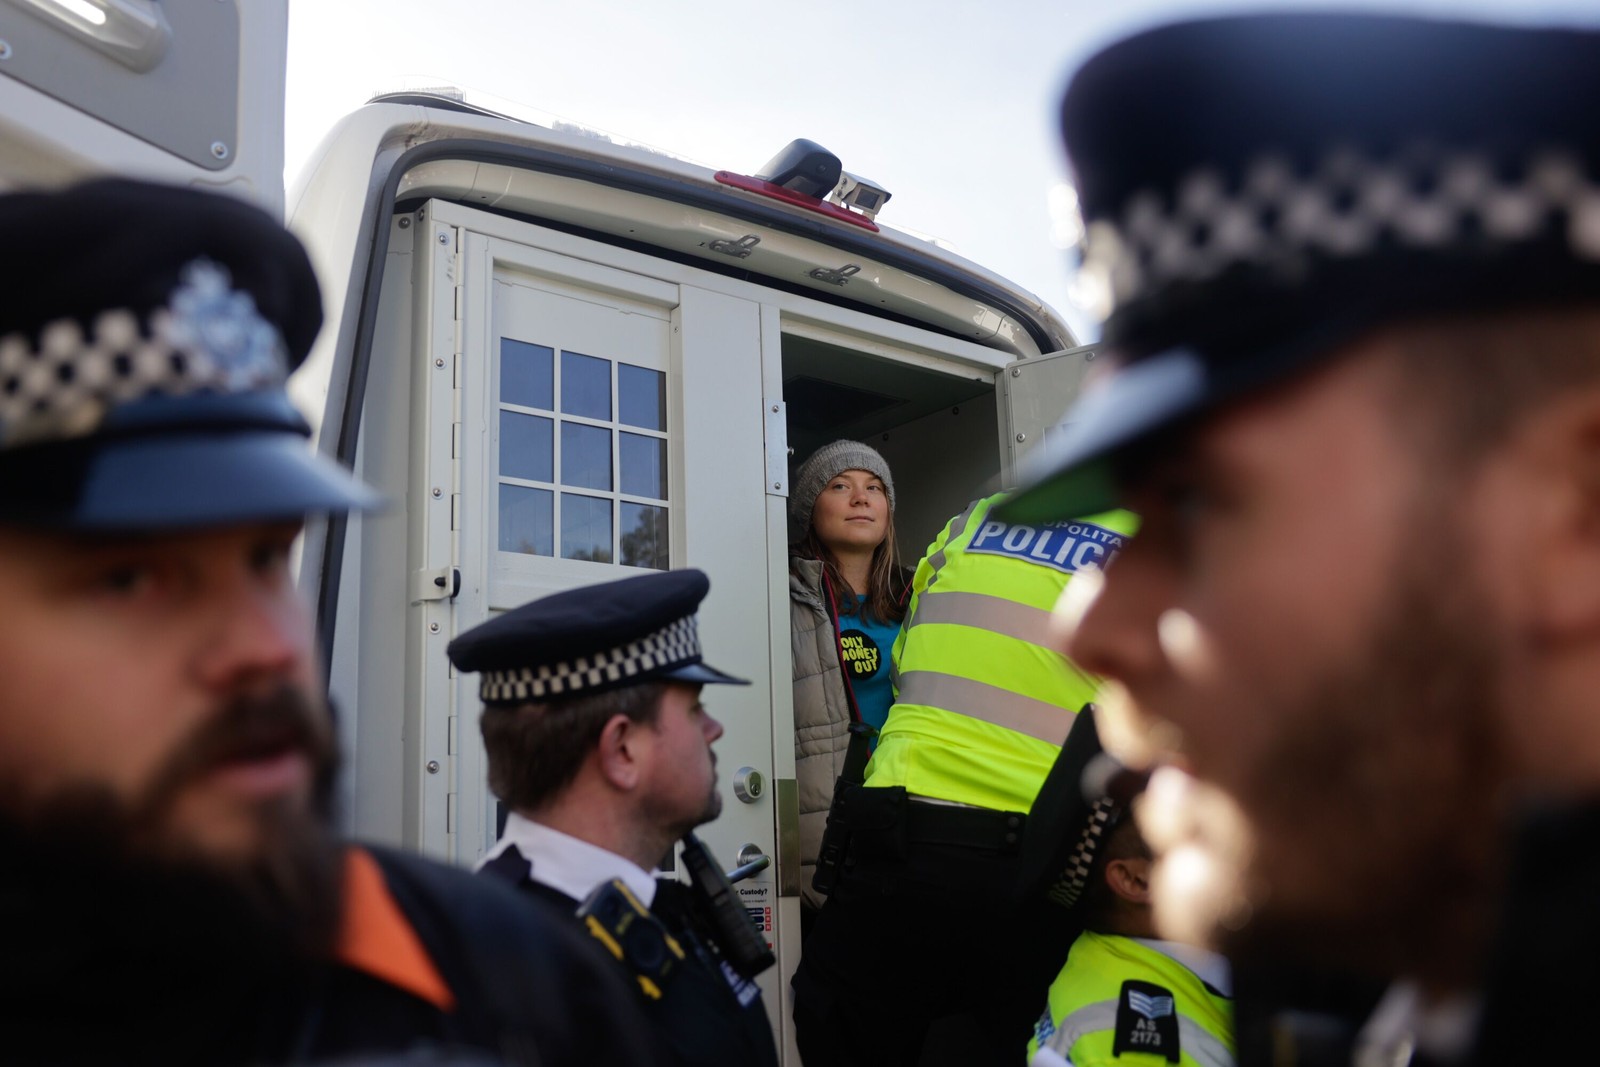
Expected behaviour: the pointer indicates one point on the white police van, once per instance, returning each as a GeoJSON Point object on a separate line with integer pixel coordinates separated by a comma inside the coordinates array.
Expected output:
{"type": "Point", "coordinates": [562, 359]}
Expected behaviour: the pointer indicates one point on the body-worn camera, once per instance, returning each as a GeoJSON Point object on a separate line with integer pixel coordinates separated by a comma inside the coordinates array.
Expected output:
{"type": "Point", "coordinates": [617, 919]}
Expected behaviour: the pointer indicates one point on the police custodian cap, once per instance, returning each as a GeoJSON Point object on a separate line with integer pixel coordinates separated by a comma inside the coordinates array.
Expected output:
{"type": "Point", "coordinates": [146, 332]}
{"type": "Point", "coordinates": [591, 639]}
{"type": "Point", "coordinates": [1071, 818]}
{"type": "Point", "coordinates": [1258, 191]}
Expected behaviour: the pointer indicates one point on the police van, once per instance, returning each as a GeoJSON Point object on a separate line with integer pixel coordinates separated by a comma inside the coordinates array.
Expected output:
{"type": "Point", "coordinates": [563, 360]}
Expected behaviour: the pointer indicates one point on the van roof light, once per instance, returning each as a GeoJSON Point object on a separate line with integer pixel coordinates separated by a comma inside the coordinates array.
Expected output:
{"type": "Point", "coordinates": [805, 167]}
{"type": "Point", "coordinates": [803, 173]}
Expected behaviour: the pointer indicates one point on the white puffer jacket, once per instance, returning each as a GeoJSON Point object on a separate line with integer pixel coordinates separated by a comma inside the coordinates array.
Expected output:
{"type": "Point", "coordinates": [822, 712]}
{"type": "Point", "coordinates": [824, 706]}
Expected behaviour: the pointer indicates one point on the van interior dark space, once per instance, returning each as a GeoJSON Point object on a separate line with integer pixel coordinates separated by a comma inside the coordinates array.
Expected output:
{"type": "Point", "coordinates": [939, 432]}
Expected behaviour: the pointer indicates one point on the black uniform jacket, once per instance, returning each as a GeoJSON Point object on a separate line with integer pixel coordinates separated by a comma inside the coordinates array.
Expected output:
{"type": "Point", "coordinates": [433, 966]}
{"type": "Point", "coordinates": [700, 1017]}
{"type": "Point", "coordinates": [1541, 988]}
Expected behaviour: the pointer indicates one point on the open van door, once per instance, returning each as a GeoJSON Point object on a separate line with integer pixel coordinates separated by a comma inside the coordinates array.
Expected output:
{"type": "Point", "coordinates": [1034, 394]}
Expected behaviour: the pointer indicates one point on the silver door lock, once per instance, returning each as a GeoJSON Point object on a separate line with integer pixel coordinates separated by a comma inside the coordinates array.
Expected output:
{"type": "Point", "coordinates": [748, 785]}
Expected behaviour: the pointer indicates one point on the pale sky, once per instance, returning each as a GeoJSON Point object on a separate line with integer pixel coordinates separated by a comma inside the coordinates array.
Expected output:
{"type": "Point", "coordinates": [950, 107]}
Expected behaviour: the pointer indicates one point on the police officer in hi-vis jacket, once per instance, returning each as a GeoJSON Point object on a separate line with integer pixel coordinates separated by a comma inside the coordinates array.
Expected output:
{"type": "Point", "coordinates": [920, 928]}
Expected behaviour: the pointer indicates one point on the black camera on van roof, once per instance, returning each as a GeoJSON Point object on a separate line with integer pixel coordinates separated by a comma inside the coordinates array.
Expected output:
{"type": "Point", "coordinates": [805, 167]}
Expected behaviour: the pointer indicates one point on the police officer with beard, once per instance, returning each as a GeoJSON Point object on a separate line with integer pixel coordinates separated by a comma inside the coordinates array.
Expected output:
{"type": "Point", "coordinates": [1351, 266]}
{"type": "Point", "coordinates": [171, 890]}
{"type": "Point", "coordinates": [600, 748]}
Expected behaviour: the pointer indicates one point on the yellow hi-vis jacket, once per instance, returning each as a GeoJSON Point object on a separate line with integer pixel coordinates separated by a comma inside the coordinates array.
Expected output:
{"type": "Point", "coordinates": [982, 701]}
{"type": "Point", "coordinates": [1122, 1003]}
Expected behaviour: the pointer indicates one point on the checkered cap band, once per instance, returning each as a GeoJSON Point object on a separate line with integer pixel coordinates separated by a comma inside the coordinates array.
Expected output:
{"type": "Point", "coordinates": [1075, 876]}
{"type": "Point", "coordinates": [674, 645]}
{"type": "Point", "coordinates": [209, 337]}
{"type": "Point", "coordinates": [1344, 207]}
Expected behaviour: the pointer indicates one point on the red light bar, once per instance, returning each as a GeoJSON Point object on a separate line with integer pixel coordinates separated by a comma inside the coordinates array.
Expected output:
{"type": "Point", "coordinates": [810, 203]}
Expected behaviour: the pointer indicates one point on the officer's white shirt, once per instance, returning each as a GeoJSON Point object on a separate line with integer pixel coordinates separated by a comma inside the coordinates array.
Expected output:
{"type": "Point", "coordinates": [568, 865]}
{"type": "Point", "coordinates": [1211, 968]}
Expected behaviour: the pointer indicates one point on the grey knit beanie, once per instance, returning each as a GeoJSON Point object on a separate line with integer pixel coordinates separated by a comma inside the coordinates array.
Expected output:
{"type": "Point", "coordinates": [827, 461]}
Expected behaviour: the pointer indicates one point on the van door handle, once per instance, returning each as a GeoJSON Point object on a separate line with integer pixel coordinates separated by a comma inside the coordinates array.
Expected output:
{"type": "Point", "coordinates": [751, 861]}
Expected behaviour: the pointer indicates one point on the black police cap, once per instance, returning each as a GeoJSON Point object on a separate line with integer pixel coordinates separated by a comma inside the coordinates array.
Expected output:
{"type": "Point", "coordinates": [146, 333]}
{"type": "Point", "coordinates": [1260, 190]}
{"type": "Point", "coordinates": [1071, 819]}
{"type": "Point", "coordinates": [591, 639]}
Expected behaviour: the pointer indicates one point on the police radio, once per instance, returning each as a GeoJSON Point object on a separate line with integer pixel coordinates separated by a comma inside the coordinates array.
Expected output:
{"type": "Point", "coordinates": [742, 945]}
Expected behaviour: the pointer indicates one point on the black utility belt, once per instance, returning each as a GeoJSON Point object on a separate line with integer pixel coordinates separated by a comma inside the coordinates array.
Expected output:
{"type": "Point", "coordinates": [972, 827]}
{"type": "Point", "coordinates": [929, 822]}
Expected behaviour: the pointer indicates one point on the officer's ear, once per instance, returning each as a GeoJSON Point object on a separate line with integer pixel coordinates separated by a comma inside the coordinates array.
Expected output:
{"type": "Point", "coordinates": [1559, 468]}
{"type": "Point", "coordinates": [617, 753]}
{"type": "Point", "coordinates": [1129, 879]}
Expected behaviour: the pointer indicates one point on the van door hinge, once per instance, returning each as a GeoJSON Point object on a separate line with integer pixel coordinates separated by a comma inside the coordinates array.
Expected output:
{"type": "Point", "coordinates": [774, 414]}
{"type": "Point", "coordinates": [441, 584]}
{"type": "Point", "coordinates": [458, 345]}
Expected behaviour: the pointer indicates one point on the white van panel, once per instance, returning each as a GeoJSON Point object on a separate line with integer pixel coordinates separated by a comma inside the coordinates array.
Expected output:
{"type": "Point", "coordinates": [205, 108]}
{"type": "Point", "coordinates": [1034, 396]}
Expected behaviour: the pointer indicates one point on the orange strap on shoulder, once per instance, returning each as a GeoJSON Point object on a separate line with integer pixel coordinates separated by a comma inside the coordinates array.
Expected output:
{"type": "Point", "coordinates": [376, 937]}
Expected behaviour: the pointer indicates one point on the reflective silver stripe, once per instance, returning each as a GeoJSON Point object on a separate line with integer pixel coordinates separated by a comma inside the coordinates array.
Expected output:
{"type": "Point", "coordinates": [1201, 1045]}
{"type": "Point", "coordinates": [988, 703]}
{"type": "Point", "coordinates": [993, 613]}
{"type": "Point", "coordinates": [1089, 1019]}
{"type": "Point", "coordinates": [1194, 1040]}
{"type": "Point", "coordinates": [958, 526]}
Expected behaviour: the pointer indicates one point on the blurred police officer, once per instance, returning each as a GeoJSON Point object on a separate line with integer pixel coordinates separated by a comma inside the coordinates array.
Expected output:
{"type": "Point", "coordinates": [171, 892]}
{"type": "Point", "coordinates": [934, 833]}
{"type": "Point", "coordinates": [1352, 269]}
{"type": "Point", "coordinates": [1122, 997]}
{"type": "Point", "coordinates": [601, 749]}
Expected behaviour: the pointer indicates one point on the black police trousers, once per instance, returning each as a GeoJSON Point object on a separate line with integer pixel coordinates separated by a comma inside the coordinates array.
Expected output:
{"type": "Point", "coordinates": [924, 953]}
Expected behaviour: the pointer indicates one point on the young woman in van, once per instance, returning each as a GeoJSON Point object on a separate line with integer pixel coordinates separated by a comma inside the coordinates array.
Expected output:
{"type": "Point", "coordinates": [846, 602]}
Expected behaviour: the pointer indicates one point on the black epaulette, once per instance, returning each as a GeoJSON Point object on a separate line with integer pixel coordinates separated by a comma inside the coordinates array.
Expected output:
{"type": "Point", "coordinates": [1147, 1021]}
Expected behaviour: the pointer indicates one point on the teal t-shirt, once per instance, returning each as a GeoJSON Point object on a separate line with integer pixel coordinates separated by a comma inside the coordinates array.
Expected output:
{"type": "Point", "coordinates": [865, 644]}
